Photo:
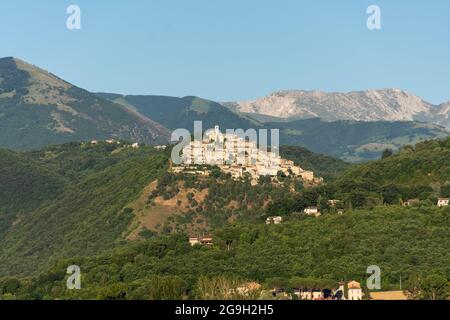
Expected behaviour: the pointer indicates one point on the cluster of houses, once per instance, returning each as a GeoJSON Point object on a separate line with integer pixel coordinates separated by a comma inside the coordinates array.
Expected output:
{"type": "Point", "coordinates": [237, 156]}
{"type": "Point", "coordinates": [201, 240]}
{"type": "Point", "coordinates": [353, 292]}
{"type": "Point", "coordinates": [274, 220]}
{"type": "Point", "coordinates": [442, 202]}
{"type": "Point", "coordinates": [134, 145]}
{"type": "Point", "coordinates": [310, 211]}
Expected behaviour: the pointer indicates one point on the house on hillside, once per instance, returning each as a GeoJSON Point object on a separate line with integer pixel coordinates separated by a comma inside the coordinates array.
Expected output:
{"type": "Point", "coordinates": [312, 211]}
{"type": "Point", "coordinates": [354, 291]}
{"type": "Point", "coordinates": [411, 202]}
{"type": "Point", "coordinates": [247, 288]}
{"type": "Point", "coordinates": [204, 241]}
{"type": "Point", "coordinates": [194, 241]}
{"type": "Point", "coordinates": [443, 202]}
{"type": "Point", "coordinates": [317, 294]}
{"type": "Point", "coordinates": [333, 202]}
{"type": "Point", "coordinates": [274, 220]}
{"type": "Point", "coordinates": [135, 145]}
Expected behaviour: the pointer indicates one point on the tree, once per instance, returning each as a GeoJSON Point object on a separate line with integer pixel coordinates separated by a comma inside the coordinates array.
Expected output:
{"type": "Point", "coordinates": [430, 287]}
{"type": "Point", "coordinates": [434, 287]}
{"type": "Point", "coordinates": [387, 153]}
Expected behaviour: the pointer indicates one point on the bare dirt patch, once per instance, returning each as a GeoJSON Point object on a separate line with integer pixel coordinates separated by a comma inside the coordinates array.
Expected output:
{"type": "Point", "coordinates": [153, 215]}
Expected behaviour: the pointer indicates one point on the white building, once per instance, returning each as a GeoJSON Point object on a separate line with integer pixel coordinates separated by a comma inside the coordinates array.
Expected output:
{"type": "Point", "coordinates": [274, 220]}
{"type": "Point", "coordinates": [354, 291]}
{"type": "Point", "coordinates": [443, 202]}
{"type": "Point", "coordinates": [312, 211]}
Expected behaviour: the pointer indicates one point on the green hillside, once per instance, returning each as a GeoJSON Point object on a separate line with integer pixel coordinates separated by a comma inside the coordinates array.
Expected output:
{"type": "Point", "coordinates": [100, 213]}
{"type": "Point", "coordinates": [88, 215]}
{"type": "Point", "coordinates": [401, 241]}
{"type": "Point", "coordinates": [176, 113]}
{"type": "Point", "coordinates": [25, 185]}
{"type": "Point", "coordinates": [38, 109]}
{"type": "Point", "coordinates": [421, 171]}
{"type": "Point", "coordinates": [355, 141]}
{"type": "Point", "coordinates": [323, 166]}
{"type": "Point", "coordinates": [82, 191]}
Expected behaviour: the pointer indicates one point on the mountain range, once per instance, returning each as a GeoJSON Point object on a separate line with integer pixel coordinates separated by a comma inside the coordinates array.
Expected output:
{"type": "Point", "coordinates": [38, 109]}
{"type": "Point", "coordinates": [349, 140]}
{"type": "Point", "coordinates": [369, 105]}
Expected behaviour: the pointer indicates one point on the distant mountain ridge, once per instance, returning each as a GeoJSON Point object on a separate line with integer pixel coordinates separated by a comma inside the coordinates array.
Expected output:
{"type": "Point", "coordinates": [174, 112]}
{"type": "Point", "coordinates": [352, 141]}
{"type": "Point", "coordinates": [37, 108]}
{"type": "Point", "coordinates": [369, 105]}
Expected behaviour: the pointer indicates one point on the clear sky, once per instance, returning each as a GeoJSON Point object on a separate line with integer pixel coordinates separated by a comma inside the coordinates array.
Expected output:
{"type": "Point", "coordinates": [234, 49]}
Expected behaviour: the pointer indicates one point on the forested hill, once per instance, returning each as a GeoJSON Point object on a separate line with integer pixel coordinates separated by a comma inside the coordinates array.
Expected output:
{"type": "Point", "coordinates": [25, 185]}
{"type": "Point", "coordinates": [305, 253]}
{"type": "Point", "coordinates": [85, 198]}
{"type": "Point", "coordinates": [82, 198]}
{"type": "Point", "coordinates": [76, 205]}
{"type": "Point", "coordinates": [420, 171]}
{"type": "Point", "coordinates": [323, 166]}
{"type": "Point", "coordinates": [174, 112]}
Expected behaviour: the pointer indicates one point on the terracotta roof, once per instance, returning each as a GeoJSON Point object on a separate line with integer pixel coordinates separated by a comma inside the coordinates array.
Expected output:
{"type": "Point", "coordinates": [354, 285]}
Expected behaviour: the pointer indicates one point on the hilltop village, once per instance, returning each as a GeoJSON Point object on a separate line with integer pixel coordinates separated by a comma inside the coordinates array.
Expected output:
{"type": "Point", "coordinates": [234, 155]}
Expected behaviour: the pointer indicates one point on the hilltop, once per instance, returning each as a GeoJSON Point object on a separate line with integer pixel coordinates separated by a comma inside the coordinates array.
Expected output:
{"type": "Point", "coordinates": [174, 112]}
{"type": "Point", "coordinates": [37, 109]}
{"type": "Point", "coordinates": [63, 197]}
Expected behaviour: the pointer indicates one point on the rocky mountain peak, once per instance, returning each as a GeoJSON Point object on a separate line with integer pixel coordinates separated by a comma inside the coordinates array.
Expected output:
{"type": "Point", "coordinates": [390, 104]}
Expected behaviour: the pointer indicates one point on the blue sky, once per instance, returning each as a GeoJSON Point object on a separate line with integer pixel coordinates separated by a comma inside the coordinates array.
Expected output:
{"type": "Point", "coordinates": [235, 49]}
